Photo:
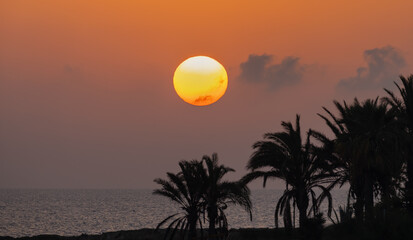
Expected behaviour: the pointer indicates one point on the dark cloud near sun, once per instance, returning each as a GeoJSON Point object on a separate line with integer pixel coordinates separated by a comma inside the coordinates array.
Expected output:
{"type": "Point", "coordinates": [384, 65]}
{"type": "Point", "coordinates": [261, 69]}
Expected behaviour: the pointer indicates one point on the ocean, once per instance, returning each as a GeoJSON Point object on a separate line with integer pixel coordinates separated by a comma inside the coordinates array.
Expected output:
{"type": "Point", "coordinates": [75, 212]}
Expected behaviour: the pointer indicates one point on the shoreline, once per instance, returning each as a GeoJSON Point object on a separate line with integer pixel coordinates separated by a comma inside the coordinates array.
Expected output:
{"type": "Point", "coordinates": [342, 231]}
{"type": "Point", "coordinates": [151, 234]}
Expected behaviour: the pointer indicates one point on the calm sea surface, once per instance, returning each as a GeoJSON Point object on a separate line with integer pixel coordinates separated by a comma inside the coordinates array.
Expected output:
{"type": "Point", "coordinates": [74, 212]}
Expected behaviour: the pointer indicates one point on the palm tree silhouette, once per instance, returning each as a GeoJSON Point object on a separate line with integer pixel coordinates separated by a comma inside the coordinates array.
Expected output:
{"type": "Point", "coordinates": [185, 188]}
{"type": "Point", "coordinates": [219, 194]}
{"type": "Point", "coordinates": [405, 116]}
{"type": "Point", "coordinates": [298, 165]}
{"type": "Point", "coordinates": [367, 140]}
{"type": "Point", "coordinates": [200, 190]}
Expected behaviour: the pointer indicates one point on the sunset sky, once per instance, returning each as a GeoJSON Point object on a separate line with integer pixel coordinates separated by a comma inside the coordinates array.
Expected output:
{"type": "Point", "coordinates": [87, 98]}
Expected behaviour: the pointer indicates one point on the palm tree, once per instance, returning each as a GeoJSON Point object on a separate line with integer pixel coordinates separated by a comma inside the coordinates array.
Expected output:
{"type": "Point", "coordinates": [219, 194]}
{"type": "Point", "coordinates": [185, 188]}
{"type": "Point", "coordinates": [405, 115]}
{"type": "Point", "coordinates": [339, 159]}
{"type": "Point", "coordinates": [367, 138]}
{"type": "Point", "coordinates": [297, 163]}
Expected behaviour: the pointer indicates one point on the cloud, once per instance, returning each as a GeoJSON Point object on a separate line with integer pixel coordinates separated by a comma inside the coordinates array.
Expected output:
{"type": "Point", "coordinates": [259, 69]}
{"type": "Point", "coordinates": [384, 65]}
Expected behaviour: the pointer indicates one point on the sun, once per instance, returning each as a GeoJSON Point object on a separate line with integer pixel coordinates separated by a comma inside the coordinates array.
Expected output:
{"type": "Point", "coordinates": [200, 80]}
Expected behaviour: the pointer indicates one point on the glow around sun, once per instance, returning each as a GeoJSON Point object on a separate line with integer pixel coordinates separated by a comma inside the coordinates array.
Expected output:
{"type": "Point", "coordinates": [200, 80]}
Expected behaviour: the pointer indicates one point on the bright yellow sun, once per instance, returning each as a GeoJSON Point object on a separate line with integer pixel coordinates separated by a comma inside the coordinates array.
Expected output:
{"type": "Point", "coordinates": [200, 80]}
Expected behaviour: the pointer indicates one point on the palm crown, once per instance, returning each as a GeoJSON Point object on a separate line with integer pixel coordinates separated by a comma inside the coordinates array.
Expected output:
{"type": "Point", "coordinates": [186, 189]}
{"type": "Point", "coordinates": [199, 189]}
{"type": "Point", "coordinates": [366, 137]}
{"type": "Point", "coordinates": [295, 162]}
{"type": "Point", "coordinates": [219, 194]}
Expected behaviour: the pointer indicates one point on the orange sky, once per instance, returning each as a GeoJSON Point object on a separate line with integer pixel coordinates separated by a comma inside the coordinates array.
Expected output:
{"type": "Point", "coordinates": [86, 94]}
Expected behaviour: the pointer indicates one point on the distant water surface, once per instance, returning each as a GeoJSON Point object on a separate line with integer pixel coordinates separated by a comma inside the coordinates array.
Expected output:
{"type": "Point", "coordinates": [74, 212]}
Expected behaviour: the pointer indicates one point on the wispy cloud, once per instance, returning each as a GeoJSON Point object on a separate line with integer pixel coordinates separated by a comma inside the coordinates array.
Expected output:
{"type": "Point", "coordinates": [260, 69]}
{"type": "Point", "coordinates": [384, 65]}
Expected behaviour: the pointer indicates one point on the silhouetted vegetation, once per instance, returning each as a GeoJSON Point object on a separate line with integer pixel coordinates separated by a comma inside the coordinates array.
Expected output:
{"type": "Point", "coordinates": [367, 136]}
{"type": "Point", "coordinates": [371, 150]}
{"type": "Point", "coordinates": [312, 228]}
{"type": "Point", "coordinates": [200, 190]}
{"type": "Point", "coordinates": [186, 189]}
{"type": "Point", "coordinates": [218, 194]}
{"type": "Point", "coordinates": [404, 108]}
{"type": "Point", "coordinates": [300, 166]}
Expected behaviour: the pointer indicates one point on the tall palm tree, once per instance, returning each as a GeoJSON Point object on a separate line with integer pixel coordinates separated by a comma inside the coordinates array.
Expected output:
{"type": "Point", "coordinates": [367, 138]}
{"type": "Point", "coordinates": [295, 161]}
{"type": "Point", "coordinates": [185, 188]}
{"type": "Point", "coordinates": [219, 194]}
{"type": "Point", "coordinates": [404, 106]}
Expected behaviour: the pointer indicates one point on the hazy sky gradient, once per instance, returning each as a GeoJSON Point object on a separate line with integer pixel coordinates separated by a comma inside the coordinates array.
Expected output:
{"type": "Point", "coordinates": [86, 94]}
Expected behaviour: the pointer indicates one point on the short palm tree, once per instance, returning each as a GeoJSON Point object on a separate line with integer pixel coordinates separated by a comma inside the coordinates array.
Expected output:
{"type": "Point", "coordinates": [284, 155]}
{"type": "Point", "coordinates": [185, 188]}
{"type": "Point", "coordinates": [219, 194]}
{"type": "Point", "coordinates": [404, 107]}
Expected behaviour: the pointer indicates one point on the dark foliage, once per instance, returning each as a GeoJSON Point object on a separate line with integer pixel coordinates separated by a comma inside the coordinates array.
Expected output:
{"type": "Point", "coordinates": [185, 188]}
{"type": "Point", "coordinates": [371, 150]}
{"type": "Point", "coordinates": [300, 164]}
{"type": "Point", "coordinates": [404, 108]}
{"type": "Point", "coordinates": [367, 136]}
{"type": "Point", "coordinates": [219, 194]}
{"type": "Point", "coordinates": [200, 190]}
{"type": "Point", "coordinates": [312, 228]}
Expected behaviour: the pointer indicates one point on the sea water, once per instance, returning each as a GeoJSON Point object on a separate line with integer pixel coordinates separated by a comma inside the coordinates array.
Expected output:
{"type": "Point", "coordinates": [76, 212]}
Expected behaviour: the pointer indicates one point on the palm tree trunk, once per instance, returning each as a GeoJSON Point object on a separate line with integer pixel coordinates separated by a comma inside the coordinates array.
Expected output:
{"type": "Point", "coordinates": [358, 207]}
{"type": "Point", "coordinates": [303, 216]}
{"type": "Point", "coordinates": [294, 216]}
{"type": "Point", "coordinates": [212, 216]}
{"type": "Point", "coordinates": [287, 218]}
{"type": "Point", "coordinates": [409, 183]}
{"type": "Point", "coordinates": [192, 218]}
{"type": "Point", "coordinates": [358, 186]}
{"type": "Point", "coordinates": [369, 198]}
{"type": "Point", "coordinates": [385, 199]}
{"type": "Point", "coordinates": [302, 205]}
